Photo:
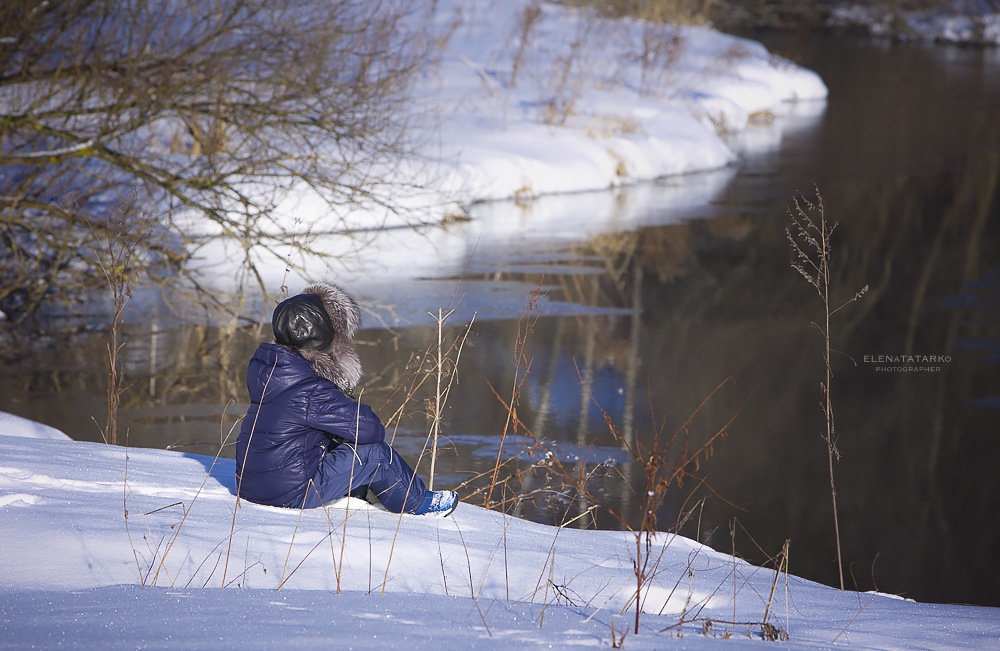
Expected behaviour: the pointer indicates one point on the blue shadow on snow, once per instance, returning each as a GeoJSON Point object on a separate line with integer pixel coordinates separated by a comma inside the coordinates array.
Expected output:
{"type": "Point", "coordinates": [220, 469]}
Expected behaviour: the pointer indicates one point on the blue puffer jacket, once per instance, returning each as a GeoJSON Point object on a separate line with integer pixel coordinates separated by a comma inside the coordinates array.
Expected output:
{"type": "Point", "coordinates": [294, 416]}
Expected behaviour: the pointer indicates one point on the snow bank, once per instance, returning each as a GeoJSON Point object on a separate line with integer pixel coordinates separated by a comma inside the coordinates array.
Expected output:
{"type": "Point", "coordinates": [577, 103]}
{"type": "Point", "coordinates": [572, 107]}
{"type": "Point", "coordinates": [182, 569]}
{"type": "Point", "coordinates": [584, 103]}
{"type": "Point", "coordinates": [12, 425]}
{"type": "Point", "coordinates": [964, 22]}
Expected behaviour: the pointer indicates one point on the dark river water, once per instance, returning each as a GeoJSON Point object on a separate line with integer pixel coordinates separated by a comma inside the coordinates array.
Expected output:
{"type": "Point", "coordinates": [640, 323]}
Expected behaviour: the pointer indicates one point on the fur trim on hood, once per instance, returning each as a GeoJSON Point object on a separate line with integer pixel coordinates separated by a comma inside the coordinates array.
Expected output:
{"type": "Point", "coordinates": [340, 363]}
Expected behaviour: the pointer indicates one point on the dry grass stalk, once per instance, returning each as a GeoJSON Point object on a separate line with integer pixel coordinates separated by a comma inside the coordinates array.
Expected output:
{"type": "Point", "coordinates": [782, 565]}
{"type": "Point", "coordinates": [122, 248]}
{"type": "Point", "coordinates": [436, 422]}
{"type": "Point", "coordinates": [445, 367]}
{"type": "Point", "coordinates": [445, 373]}
{"type": "Point", "coordinates": [526, 23]}
{"type": "Point", "coordinates": [350, 488]}
{"type": "Point", "coordinates": [809, 238]}
{"type": "Point", "coordinates": [522, 368]}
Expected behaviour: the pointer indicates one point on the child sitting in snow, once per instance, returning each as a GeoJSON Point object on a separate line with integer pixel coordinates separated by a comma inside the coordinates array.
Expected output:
{"type": "Point", "coordinates": [305, 441]}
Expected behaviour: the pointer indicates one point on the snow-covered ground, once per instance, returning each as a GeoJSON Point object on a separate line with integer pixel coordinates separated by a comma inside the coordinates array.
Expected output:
{"type": "Point", "coordinates": [964, 22]}
{"type": "Point", "coordinates": [575, 103]}
{"type": "Point", "coordinates": [190, 567]}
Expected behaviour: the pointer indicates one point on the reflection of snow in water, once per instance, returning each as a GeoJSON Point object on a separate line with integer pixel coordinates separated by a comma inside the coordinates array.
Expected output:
{"type": "Point", "coordinates": [495, 229]}
{"type": "Point", "coordinates": [400, 274]}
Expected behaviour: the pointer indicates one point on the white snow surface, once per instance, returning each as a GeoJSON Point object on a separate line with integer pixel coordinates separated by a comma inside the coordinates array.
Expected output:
{"type": "Point", "coordinates": [582, 113]}
{"type": "Point", "coordinates": [13, 424]}
{"type": "Point", "coordinates": [962, 22]}
{"type": "Point", "coordinates": [190, 567]}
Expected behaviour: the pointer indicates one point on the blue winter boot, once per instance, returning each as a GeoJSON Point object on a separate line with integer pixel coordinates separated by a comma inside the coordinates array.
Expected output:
{"type": "Point", "coordinates": [439, 504]}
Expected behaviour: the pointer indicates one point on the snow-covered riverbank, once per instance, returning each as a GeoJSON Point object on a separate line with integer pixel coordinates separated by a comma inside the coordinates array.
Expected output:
{"type": "Point", "coordinates": [523, 105]}
{"type": "Point", "coordinates": [960, 22]}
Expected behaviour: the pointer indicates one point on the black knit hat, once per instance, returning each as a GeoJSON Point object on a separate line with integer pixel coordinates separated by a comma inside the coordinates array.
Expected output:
{"type": "Point", "coordinates": [302, 322]}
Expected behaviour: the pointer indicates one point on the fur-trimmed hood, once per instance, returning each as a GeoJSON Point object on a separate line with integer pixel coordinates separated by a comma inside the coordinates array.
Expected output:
{"type": "Point", "coordinates": [340, 363]}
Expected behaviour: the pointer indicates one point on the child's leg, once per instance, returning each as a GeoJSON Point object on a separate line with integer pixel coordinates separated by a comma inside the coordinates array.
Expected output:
{"type": "Point", "coordinates": [346, 468]}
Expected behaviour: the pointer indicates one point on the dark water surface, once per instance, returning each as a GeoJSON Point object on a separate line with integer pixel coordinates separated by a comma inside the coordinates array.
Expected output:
{"type": "Point", "coordinates": [907, 157]}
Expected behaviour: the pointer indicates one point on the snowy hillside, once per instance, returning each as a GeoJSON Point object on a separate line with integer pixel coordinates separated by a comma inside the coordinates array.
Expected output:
{"type": "Point", "coordinates": [189, 568]}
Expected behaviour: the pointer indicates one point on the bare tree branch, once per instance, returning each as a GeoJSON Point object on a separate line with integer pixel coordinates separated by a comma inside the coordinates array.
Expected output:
{"type": "Point", "coordinates": [214, 110]}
